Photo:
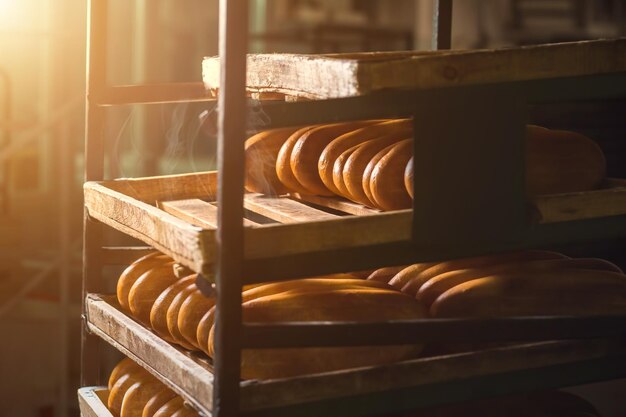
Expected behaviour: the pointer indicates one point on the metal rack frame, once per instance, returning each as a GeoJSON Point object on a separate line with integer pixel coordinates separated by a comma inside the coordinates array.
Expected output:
{"type": "Point", "coordinates": [503, 227]}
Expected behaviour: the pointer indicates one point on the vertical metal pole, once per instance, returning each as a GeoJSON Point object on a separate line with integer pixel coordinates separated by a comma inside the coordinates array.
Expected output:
{"type": "Point", "coordinates": [94, 170]}
{"type": "Point", "coordinates": [233, 40]}
{"type": "Point", "coordinates": [442, 24]}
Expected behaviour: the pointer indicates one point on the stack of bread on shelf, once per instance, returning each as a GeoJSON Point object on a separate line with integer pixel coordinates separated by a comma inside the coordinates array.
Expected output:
{"type": "Point", "coordinates": [370, 162]}
{"type": "Point", "coordinates": [133, 392]}
{"type": "Point", "coordinates": [510, 284]}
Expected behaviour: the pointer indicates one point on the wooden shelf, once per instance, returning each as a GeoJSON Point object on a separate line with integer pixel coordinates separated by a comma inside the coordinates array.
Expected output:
{"type": "Point", "coordinates": [92, 402]}
{"type": "Point", "coordinates": [189, 374]}
{"type": "Point", "coordinates": [355, 74]}
{"type": "Point", "coordinates": [175, 215]}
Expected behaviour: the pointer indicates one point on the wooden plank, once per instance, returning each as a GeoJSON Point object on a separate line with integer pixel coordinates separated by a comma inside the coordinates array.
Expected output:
{"type": "Point", "coordinates": [185, 375]}
{"type": "Point", "coordinates": [92, 402]}
{"type": "Point", "coordinates": [337, 203]}
{"type": "Point", "coordinates": [582, 205]}
{"type": "Point", "coordinates": [167, 187]}
{"type": "Point", "coordinates": [338, 232]}
{"type": "Point", "coordinates": [283, 209]}
{"type": "Point", "coordinates": [324, 76]}
{"type": "Point", "coordinates": [196, 212]}
{"type": "Point", "coordinates": [187, 244]}
{"type": "Point", "coordinates": [421, 372]}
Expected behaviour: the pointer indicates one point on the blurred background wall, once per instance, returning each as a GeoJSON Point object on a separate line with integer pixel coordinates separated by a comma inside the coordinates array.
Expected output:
{"type": "Point", "coordinates": [42, 79]}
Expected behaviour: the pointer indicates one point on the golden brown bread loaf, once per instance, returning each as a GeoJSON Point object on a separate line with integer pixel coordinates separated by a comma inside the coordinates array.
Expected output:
{"type": "Point", "coordinates": [158, 312]}
{"type": "Point", "coordinates": [324, 304]}
{"type": "Point", "coordinates": [133, 272]}
{"type": "Point", "coordinates": [367, 175]}
{"type": "Point", "coordinates": [185, 412]}
{"type": "Point", "coordinates": [137, 396]}
{"type": "Point", "coordinates": [439, 284]}
{"type": "Point", "coordinates": [172, 316]}
{"type": "Point", "coordinates": [416, 281]}
{"type": "Point", "coordinates": [202, 332]}
{"type": "Point", "coordinates": [384, 274]}
{"type": "Point", "coordinates": [386, 182]}
{"type": "Point", "coordinates": [399, 128]}
{"type": "Point", "coordinates": [121, 386]}
{"type": "Point", "coordinates": [357, 163]}
{"type": "Point", "coordinates": [406, 275]}
{"type": "Point", "coordinates": [125, 366]}
{"type": "Point", "coordinates": [338, 168]}
{"type": "Point", "coordinates": [147, 289]}
{"type": "Point", "coordinates": [559, 161]}
{"type": "Point", "coordinates": [169, 408]}
{"type": "Point", "coordinates": [283, 162]}
{"type": "Point", "coordinates": [560, 292]}
{"type": "Point", "coordinates": [157, 401]}
{"type": "Point", "coordinates": [193, 308]}
{"type": "Point", "coordinates": [261, 153]}
{"type": "Point", "coordinates": [308, 149]}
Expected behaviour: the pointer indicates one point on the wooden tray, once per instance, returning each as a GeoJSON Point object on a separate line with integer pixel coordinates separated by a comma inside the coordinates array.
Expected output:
{"type": "Point", "coordinates": [174, 214]}
{"type": "Point", "coordinates": [190, 376]}
{"type": "Point", "coordinates": [92, 402]}
{"type": "Point", "coordinates": [274, 76]}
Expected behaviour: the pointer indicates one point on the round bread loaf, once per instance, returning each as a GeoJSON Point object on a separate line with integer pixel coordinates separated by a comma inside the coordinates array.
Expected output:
{"type": "Point", "coordinates": [408, 177]}
{"type": "Point", "coordinates": [138, 395]}
{"type": "Point", "coordinates": [125, 366]}
{"type": "Point", "coordinates": [169, 408]}
{"type": "Point", "coordinates": [192, 309]}
{"type": "Point", "coordinates": [158, 312]}
{"type": "Point", "coordinates": [133, 272]}
{"type": "Point", "coordinates": [157, 401]}
{"type": "Point", "coordinates": [387, 178]}
{"type": "Point", "coordinates": [147, 289]}
{"type": "Point", "coordinates": [172, 316]}
{"type": "Point", "coordinates": [283, 163]}
{"type": "Point", "coordinates": [367, 175]}
{"type": "Point", "coordinates": [338, 167]}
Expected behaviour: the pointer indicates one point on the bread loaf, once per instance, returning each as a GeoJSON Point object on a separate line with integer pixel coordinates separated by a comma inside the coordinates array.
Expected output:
{"type": "Point", "coordinates": [560, 292]}
{"type": "Point", "coordinates": [338, 167]}
{"type": "Point", "coordinates": [157, 401]}
{"type": "Point", "coordinates": [185, 412]}
{"type": "Point", "coordinates": [418, 279]}
{"type": "Point", "coordinates": [308, 149]}
{"type": "Point", "coordinates": [172, 316]}
{"type": "Point", "coordinates": [138, 396]}
{"type": "Point", "coordinates": [386, 182]}
{"type": "Point", "coordinates": [439, 284]}
{"type": "Point", "coordinates": [559, 161]}
{"type": "Point", "coordinates": [385, 274]}
{"type": "Point", "coordinates": [399, 128]}
{"type": "Point", "coordinates": [362, 304]}
{"type": "Point", "coordinates": [133, 272]}
{"type": "Point", "coordinates": [261, 153]}
{"type": "Point", "coordinates": [357, 163]}
{"type": "Point", "coordinates": [121, 386]}
{"type": "Point", "coordinates": [404, 276]}
{"type": "Point", "coordinates": [169, 408]}
{"type": "Point", "coordinates": [147, 288]}
{"type": "Point", "coordinates": [158, 312]}
{"type": "Point", "coordinates": [367, 175]}
{"type": "Point", "coordinates": [283, 163]}
{"type": "Point", "coordinates": [125, 366]}
{"type": "Point", "coordinates": [193, 308]}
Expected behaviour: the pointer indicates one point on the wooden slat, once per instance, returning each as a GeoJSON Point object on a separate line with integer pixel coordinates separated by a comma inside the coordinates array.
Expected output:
{"type": "Point", "coordinates": [338, 232]}
{"type": "Point", "coordinates": [190, 378]}
{"type": "Point", "coordinates": [583, 205]}
{"type": "Point", "coordinates": [167, 187]}
{"type": "Point", "coordinates": [283, 209]}
{"type": "Point", "coordinates": [196, 212]}
{"type": "Point", "coordinates": [187, 377]}
{"type": "Point", "coordinates": [92, 400]}
{"type": "Point", "coordinates": [187, 244]}
{"type": "Point", "coordinates": [338, 204]}
{"type": "Point", "coordinates": [421, 372]}
{"type": "Point", "coordinates": [322, 76]}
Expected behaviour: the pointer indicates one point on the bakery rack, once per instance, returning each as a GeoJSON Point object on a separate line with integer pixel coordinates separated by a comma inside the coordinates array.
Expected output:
{"type": "Point", "coordinates": [199, 221]}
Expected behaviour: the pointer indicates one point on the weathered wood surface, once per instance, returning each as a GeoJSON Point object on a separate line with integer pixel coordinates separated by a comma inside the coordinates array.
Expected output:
{"type": "Point", "coordinates": [187, 376]}
{"type": "Point", "coordinates": [283, 209]}
{"type": "Point", "coordinates": [610, 201]}
{"type": "Point", "coordinates": [185, 243]}
{"type": "Point", "coordinates": [92, 402]}
{"type": "Point", "coordinates": [184, 228]}
{"type": "Point", "coordinates": [195, 211]}
{"type": "Point", "coordinates": [421, 372]}
{"type": "Point", "coordinates": [333, 76]}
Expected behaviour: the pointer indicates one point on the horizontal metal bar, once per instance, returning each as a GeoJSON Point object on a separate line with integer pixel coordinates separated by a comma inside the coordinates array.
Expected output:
{"type": "Point", "coordinates": [450, 392]}
{"type": "Point", "coordinates": [290, 334]}
{"type": "Point", "coordinates": [404, 252]}
{"type": "Point", "coordinates": [150, 94]}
